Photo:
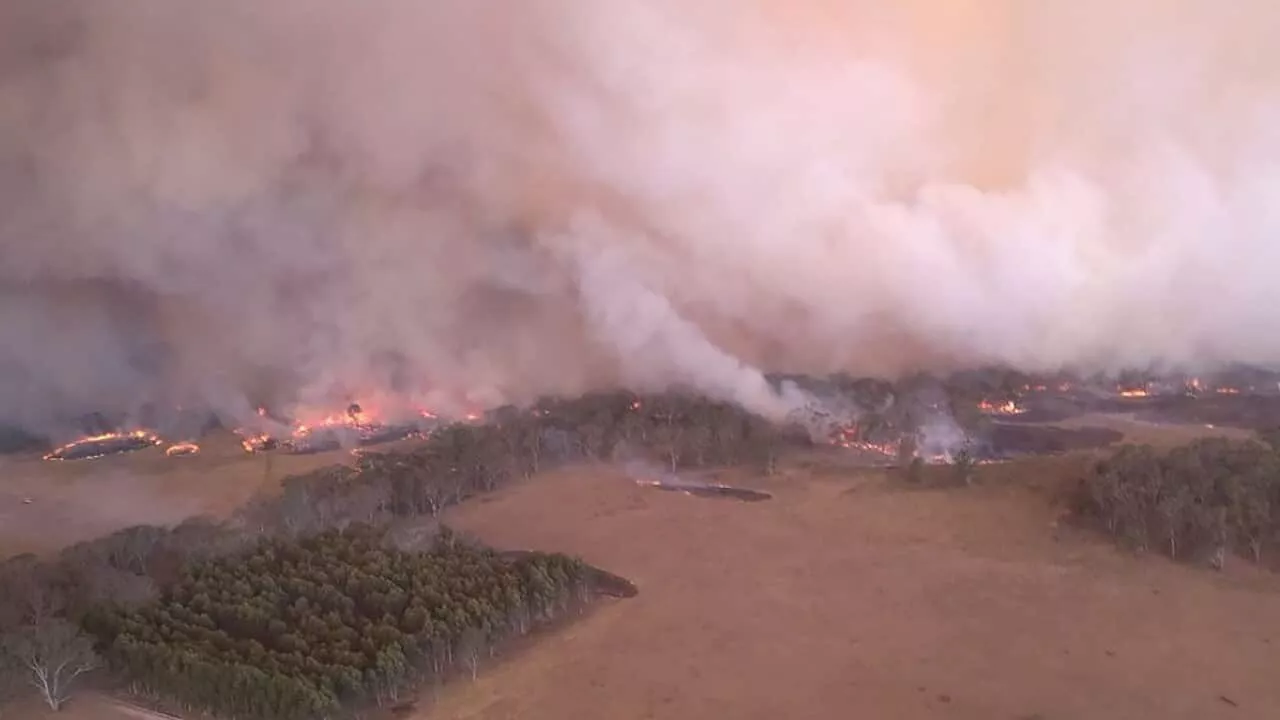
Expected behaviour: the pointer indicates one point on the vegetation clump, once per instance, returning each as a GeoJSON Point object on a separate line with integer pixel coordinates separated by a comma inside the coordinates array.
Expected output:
{"type": "Point", "coordinates": [313, 627]}
{"type": "Point", "coordinates": [1200, 501]}
{"type": "Point", "coordinates": [464, 460]}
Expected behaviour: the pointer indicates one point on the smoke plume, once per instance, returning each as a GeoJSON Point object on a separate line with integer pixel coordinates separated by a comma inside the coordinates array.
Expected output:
{"type": "Point", "coordinates": [212, 206]}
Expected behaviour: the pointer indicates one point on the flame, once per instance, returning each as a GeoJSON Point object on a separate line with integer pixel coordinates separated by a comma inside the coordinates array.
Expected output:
{"type": "Point", "coordinates": [139, 435]}
{"type": "Point", "coordinates": [357, 419]}
{"type": "Point", "coordinates": [1134, 393]}
{"type": "Point", "coordinates": [1227, 391]}
{"type": "Point", "coordinates": [847, 437]}
{"type": "Point", "coordinates": [1008, 407]}
{"type": "Point", "coordinates": [253, 442]}
{"type": "Point", "coordinates": [889, 449]}
{"type": "Point", "coordinates": [182, 448]}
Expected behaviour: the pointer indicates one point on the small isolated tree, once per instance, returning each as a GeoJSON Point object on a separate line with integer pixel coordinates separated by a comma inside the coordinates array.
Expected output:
{"type": "Point", "coordinates": [963, 466]}
{"type": "Point", "coordinates": [915, 471]}
{"type": "Point", "coordinates": [52, 654]}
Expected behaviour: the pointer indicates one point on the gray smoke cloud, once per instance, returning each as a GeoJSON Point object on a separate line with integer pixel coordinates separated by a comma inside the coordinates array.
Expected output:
{"type": "Point", "coordinates": [459, 202]}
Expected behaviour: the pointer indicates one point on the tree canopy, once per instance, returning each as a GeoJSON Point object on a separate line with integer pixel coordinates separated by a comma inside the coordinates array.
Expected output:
{"type": "Point", "coordinates": [1202, 500]}
{"type": "Point", "coordinates": [307, 628]}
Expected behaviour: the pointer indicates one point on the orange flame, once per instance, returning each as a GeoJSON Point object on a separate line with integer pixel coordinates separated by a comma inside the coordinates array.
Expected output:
{"type": "Point", "coordinates": [253, 442]}
{"type": "Point", "coordinates": [182, 448]}
{"type": "Point", "coordinates": [140, 435]}
{"type": "Point", "coordinates": [356, 417]}
{"type": "Point", "coordinates": [1008, 407]}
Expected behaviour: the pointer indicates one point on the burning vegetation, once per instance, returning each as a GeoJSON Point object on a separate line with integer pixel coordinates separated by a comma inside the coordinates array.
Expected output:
{"type": "Point", "coordinates": [1008, 407]}
{"type": "Point", "coordinates": [106, 444]}
{"type": "Point", "coordinates": [182, 449]}
{"type": "Point", "coordinates": [886, 423]}
{"type": "Point", "coordinates": [353, 427]}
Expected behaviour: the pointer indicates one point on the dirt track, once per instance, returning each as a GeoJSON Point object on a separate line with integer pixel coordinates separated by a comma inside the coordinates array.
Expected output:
{"type": "Point", "coordinates": [844, 598]}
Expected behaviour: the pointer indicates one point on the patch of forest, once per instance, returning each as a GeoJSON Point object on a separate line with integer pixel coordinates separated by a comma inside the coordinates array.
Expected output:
{"type": "Point", "coordinates": [321, 626]}
{"type": "Point", "coordinates": [1203, 501]}
{"type": "Point", "coordinates": [463, 460]}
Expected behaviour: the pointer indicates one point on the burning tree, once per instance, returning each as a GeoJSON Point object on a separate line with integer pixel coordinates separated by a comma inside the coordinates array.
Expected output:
{"type": "Point", "coordinates": [52, 654]}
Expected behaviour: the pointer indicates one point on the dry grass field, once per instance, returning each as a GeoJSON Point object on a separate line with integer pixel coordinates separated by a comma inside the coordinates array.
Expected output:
{"type": "Point", "coordinates": [853, 597]}
{"type": "Point", "coordinates": [75, 500]}
{"type": "Point", "coordinates": [848, 595]}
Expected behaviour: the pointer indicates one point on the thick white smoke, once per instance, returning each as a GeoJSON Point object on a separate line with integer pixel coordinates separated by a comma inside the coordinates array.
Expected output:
{"type": "Point", "coordinates": [464, 201]}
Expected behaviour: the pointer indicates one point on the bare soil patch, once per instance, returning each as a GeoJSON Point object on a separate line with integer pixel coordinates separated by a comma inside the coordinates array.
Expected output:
{"type": "Point", "coordinates": [1245, 411]}
{"type": "Point", "coordinates": [712, 491]}
{"type": "Point", "coordinates": [1023, 439]}
{"type": "Point", "coordinates": [1141, 429]}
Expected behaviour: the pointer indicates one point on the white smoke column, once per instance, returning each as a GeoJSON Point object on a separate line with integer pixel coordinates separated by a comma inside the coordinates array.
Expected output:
{"type": "Point", "coordinates": [656, 346]}
{"type": "Point", "coordinates": [940, 437]}
{"type": "Point", "coordinates": [314, 201]}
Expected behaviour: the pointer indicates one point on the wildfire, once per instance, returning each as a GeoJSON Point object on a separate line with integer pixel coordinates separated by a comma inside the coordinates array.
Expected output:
{"type": "Point", "coordinates": [847, 437]}
{"type": "Point", "coordinates": [106, 444]}
{"type": "Point", "coordinates": [328, 432]}
{"type": "Point", "coordinates": [182, 448]}
{"type": "Point", "coordinates": [1008, 407]}
{"type": "Point", "coordinates": [1227, 391]}
{"type": "Point", "coordinates": [255, 442]}
{"type": "Point", "coordinates": [889, 449]}
{"type": "Point", "coordinates": [1135, 393]}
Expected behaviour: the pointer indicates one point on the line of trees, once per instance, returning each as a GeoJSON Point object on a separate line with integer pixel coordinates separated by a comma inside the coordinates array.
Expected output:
{"type": "Point", "coordinates": [464, 460]}
{"type": "Point", "coordinates": [308, 628]}
{"type": "Point", "coordinates": [1202, 501]}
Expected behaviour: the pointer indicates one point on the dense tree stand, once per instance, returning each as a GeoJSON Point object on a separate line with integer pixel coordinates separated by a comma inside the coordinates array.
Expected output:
{"type": "Point", "coordinates": [309, 628]}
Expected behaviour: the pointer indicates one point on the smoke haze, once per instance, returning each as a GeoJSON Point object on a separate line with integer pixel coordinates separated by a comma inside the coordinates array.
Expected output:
{"type": "Point", "coordinates": [463, 202]}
